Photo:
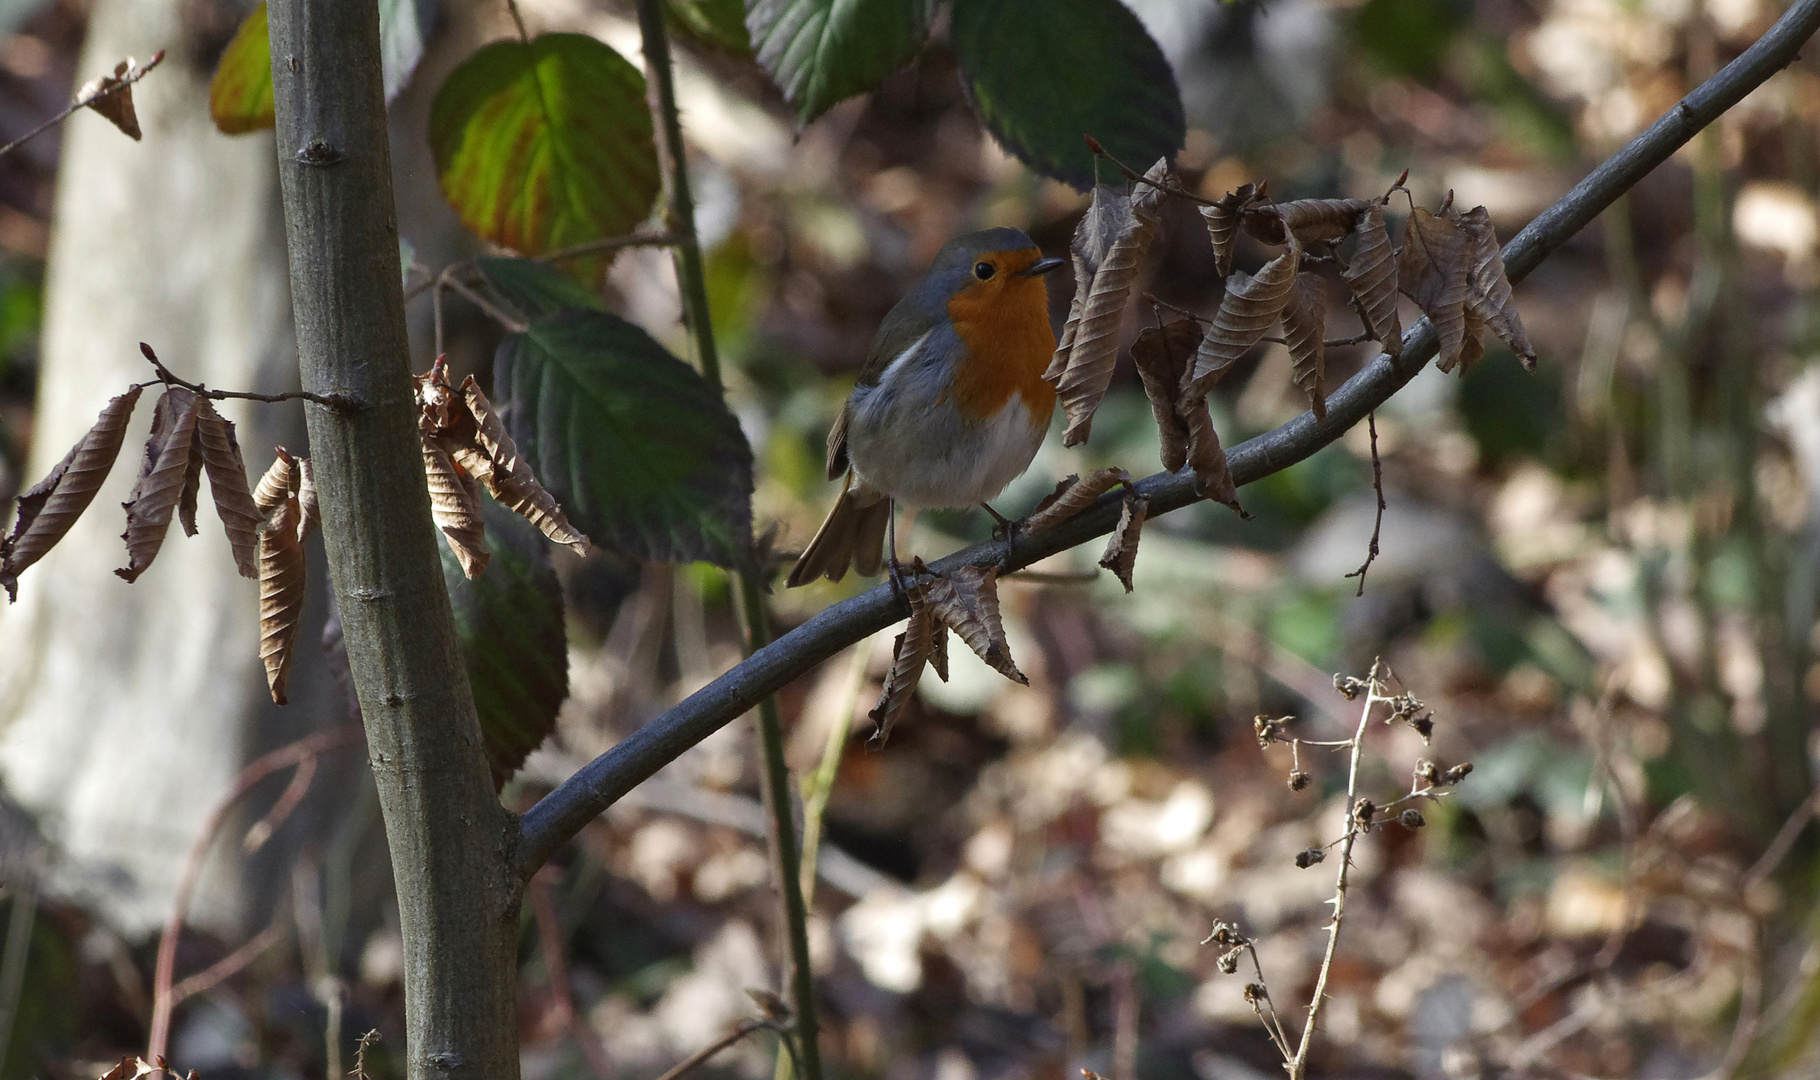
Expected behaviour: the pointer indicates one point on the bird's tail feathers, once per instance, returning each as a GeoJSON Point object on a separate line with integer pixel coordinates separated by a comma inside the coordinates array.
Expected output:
{"type": "Point", "coordinates": [853, 535]}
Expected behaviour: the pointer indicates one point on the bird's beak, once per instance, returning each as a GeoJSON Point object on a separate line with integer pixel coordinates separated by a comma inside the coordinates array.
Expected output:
{"type": "Point", "coordinates": [1040, 267]}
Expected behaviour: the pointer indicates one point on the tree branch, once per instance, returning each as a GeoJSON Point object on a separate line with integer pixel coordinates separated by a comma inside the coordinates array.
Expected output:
{"type": "Point", "coordinates": [562, 813]}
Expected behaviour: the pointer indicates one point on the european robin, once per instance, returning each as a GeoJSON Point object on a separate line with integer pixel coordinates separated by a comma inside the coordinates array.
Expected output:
{"type": "Point", "coordinates": [950, 405]}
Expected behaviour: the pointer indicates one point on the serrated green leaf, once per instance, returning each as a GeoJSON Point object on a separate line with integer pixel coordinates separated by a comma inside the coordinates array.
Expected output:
{"type": "Point", "coordinates": [642, 453]}
{"type": "Point", "coordinates": [510, 624]}
{"type": "Point", "coordinates": [536, 289]}
{"type": "Point", "coordinates": [240, 94]}
{"type": "Point", "coordinates": [1044, 73]}
{"type": "Point", "coordinates": [546, 145]}
{"type": "Point", "coordinates": [718, 24]}
{"type": "Point", "coordinates": [823, 51]}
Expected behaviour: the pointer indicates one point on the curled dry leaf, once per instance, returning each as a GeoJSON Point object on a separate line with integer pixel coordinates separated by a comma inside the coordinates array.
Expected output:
{"type": "Point", "coordinates": [1110, 242]}
{"type": "Point", "coordinates": [1310, 221]}
{"type": "Point", "coordinates": [1304, 321]}
{"type": "Point", "coordinates": [1073, 495]}
{"type": "Point", "coordinates": [1432, 271]}
{"type": "Point", "coordinates": [965, 600]}
{"type": "Point", "coordinates": [1488, 288]}
{"type": "Point", "coordinates": [219, 451]}
{"type": "Point", "coordinates": [938, 651]}
{"type": "Point", "coordinates": [1122, 545]}
{"type": "Point", "coordinates": [1372, 277]}
{"type": "Point", "coordinates": [1248, 309]}
{"type": "Point", "coordinates": [1162, 355]}
{"type": "Point", "coordinates": [118, 105]}
{"type": "Point", "coordinates": [280, 591]}
{"type": "Point", "coordinates": [192, 483]}
{"type": "Point", "coordinates": [908, 655]}
{"type": "Point", "coordinates": [162, 477]}
{"type": "Point", "coordinates": [1223, 224]}
{"type": "Point", "coordinates": [52, 505]}
{"type": "Point", "coordinates": [1185, 428]}
{"type": "Point", "coordinates": [455, 504]}
{"type": "Point", "coordinates": [501, 469]}
{"type": "Point", "coordinates": [306, 499]}
{"type": "Point", "coordinates": [278, 483]}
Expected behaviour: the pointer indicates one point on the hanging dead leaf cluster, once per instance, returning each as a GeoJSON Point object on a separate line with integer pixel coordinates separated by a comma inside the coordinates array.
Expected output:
{"type": "Point", "coordinates": [286, 498]}
{"type": "Point", "coordinates": [466, 449]}
{"type": "Point", "coordinates": [964, 600]}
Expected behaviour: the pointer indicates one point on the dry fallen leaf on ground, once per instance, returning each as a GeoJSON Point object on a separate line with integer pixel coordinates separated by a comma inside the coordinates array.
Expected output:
{"type": "Point", "coordinates": [49, 507]}
{"type": "Point", "coordinates": [162, 478]}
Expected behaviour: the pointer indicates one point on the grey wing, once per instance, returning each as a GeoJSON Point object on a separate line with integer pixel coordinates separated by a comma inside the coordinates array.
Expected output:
{"type": "Point", "coordinates": [837, 446]}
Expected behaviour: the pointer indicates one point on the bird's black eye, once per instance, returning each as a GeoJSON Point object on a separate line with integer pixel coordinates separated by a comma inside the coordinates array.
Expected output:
{"type": "Point", "coordinates": [983, 271]}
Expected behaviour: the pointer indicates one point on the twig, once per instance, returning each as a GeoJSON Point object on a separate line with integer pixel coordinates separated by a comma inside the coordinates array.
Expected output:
{"type": "Point", "coordinates": [106, 91]}
{"type": "Point", "coordinates": [230, 965]}
{"type": "Point", "coordinates": [1778, 848]}
{"type": "Point", "coordinates": [466, 267]}
{"type": "Point", "coordinates": [549, 942]}
{"type": "Point", "coordinates": [694, 1061]}
{"type": "Point", "coordinates": [1377, 485]}
{"type": "Point", "coordinates": [511, 324]}
{"type": "Point", "coordinates": [1298, 1065]}
{"type": "Point", "coordinates": [518, 21]}
{"type": "Point", "coordinates": [286, 757]}
{"type": "Point", "coordinates": [820, 783]}
{"type": "Point", "coordinates": [692, 282]}
{"type": "Point", "coordinates": [575, 802]}
{"type": "Point", "coordinates": [1175, 188]}
{"type": "Point", "coordinates": [339, 402]}
{"type": "Point", "coordinates": [1044, 577]}
{"type": "Point", "coordinates": [22, 918]}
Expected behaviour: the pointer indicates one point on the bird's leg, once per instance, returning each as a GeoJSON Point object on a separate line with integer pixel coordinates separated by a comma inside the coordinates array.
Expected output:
{"type": "Point", "coordinates": [1005, 529]}
{"type": "Point", "coordinates": [893, 567]}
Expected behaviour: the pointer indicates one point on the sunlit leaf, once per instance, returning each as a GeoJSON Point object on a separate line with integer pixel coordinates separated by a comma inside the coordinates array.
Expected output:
{"type": "Point", "coordinates": [544, 145]}
{"type": "Point", "coordinates": [642, 453]}
{"type": "Point", "coordinates": [1044, 73]}
{"type": "Point", "coordinates": [718, 24]}
{"type": "Point", "coordinates": [824, 51]}
{"type": "Point", "coordinates": [240, 94]}
{"type": "Point", "coordinates": [510, 624]}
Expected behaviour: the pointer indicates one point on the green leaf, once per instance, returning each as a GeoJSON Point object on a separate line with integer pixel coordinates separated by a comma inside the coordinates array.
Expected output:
{"type": "Point", "coordinates": [536, 289]}
{"type": "Point", "coordinates": [509, 621]}
{"type": "Point", "coordinates": [717, 24]}
{"type": "Point", "coordinates": [642, 453]}
{"type": "Point", "coordinates": [1044, 73]}
{"type": "Point", "coordinates": [545, 145]}
{"type": "Point", "coordinates": [823, 51]}
{"type": "Point", "coordinates": [240, 94]}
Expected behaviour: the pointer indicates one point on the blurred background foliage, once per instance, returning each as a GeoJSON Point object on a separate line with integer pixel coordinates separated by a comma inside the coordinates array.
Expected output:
{"type": "Point", "coordinates": [1602, 577]}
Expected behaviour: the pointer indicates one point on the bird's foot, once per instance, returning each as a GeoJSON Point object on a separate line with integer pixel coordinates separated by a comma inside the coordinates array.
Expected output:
{"type": "Point", "coordinates": [1004, 529]}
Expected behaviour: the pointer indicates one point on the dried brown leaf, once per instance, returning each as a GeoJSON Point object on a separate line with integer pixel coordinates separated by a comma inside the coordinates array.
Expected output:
{"type": "Point", "coordinates": [1093, 349]}
{"type": "Point", "coordinates": [502, 470]}
{"type": "Point", "coordinates": [162, 476]}
{"type": "Point", "coordinates": [1488, 288]}
{"type": "Point", "coordinates": [219, 450]}
{"type": "Point", "coordinates": [1223, 224]}
{"type": "Point", "coordinates": [1310, 221]}
{"type": "Point", "coordinates": [455, 505]}
{"type": "Point", "coordinates": [1372, 277]}
{"type": "Point", "coordinates": [1249, 308]}
{"type": "Point", "coordinates": [1072, 496]}
{"type": "Point", "coordinates": [938, 651]}
{"type": "Point", "coordinates": [1162, 355]}
{"type": "Point", "coordinates": [117, 106]}
{"type": "Point", "coordinates": [1472, 345]}
{"type": "Point", "coordinates": [1122, 545]}
{"type": "Point", "coordinates": [306, 499]}
{"type": "Point", "coordinates": [965, 600]}
{"type": "Point", "coordinates": [1432, 271]}
{"type": "Point", "coordinates": [1212, 479]}
{"type": "Point", "coordinates": [52, 505]}
{"type": "Point", "coordinates": [1304, 323]}
{"type": "Point", "coordinates": [278, 483]}
{"type": "Point", "coordinates": [908, 656]}
{"type": "Point", "coordinates": [1071, 328]}
{"type": "Point", "coordinates": [192, 484]}
{"type": "Point", "coordinates": [280, 593]}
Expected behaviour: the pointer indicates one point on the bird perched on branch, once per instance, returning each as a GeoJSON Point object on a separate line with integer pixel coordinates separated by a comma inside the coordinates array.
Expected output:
{"type": "Point", "coordinates": [951, 404]}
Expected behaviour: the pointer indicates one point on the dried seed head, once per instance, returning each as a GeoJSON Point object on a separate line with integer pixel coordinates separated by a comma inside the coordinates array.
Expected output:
{"type": "Point", "coordinates": [1363, 812]}
{"type": "Point", "coordinates": [1298, 780]}
{"type": "Point", "coordinates": [1306, 859]}
{"type": "Point", "coordinates": [1427, 772]}
{"type": "Point", "coordinates": [1411, 818]}
{"type": "Point", "coordinates": [1226, 936]}
{"type": "Point", "coordinates": [1457, 773]}
{"type": "Point", "coordinates": [1256, 992]}
{"type": "Point", "coordinates": [1269, 729]}
{"type": "Point", "coordinates": [1229, 963]}
{"type": "Point", "coordinates": [1424, 725]}
{"type": "Point", "coordinates": [1349, 686]}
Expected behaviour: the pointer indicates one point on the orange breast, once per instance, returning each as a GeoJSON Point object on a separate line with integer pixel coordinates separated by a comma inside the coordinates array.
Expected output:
{"type": "Point", "coordinates": [1005, 326]}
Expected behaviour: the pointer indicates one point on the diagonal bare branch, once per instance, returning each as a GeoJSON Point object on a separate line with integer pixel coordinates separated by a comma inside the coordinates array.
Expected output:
{"type": "Point", "coordinates": [563, 812]}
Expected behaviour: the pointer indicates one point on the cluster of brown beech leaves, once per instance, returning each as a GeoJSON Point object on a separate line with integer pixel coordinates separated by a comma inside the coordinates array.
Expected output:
{"type": "Point", "coordinates": [1449, 264]}
{"type": "Point", "coordinates": [465, 449]}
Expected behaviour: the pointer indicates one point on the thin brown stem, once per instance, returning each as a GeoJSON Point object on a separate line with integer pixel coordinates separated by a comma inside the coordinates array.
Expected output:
{"type": "Point", "coordinates": [339, 402]}
{"type": "Point", "coordinates": [230, 965]}
{"type": "Point", "coordinates": [1377, 485]}
{"type": "Point", "coordinates": [132, 76]}
{"type": "Point", "coordinates": [550, 943]}
{"type": "Point", "coordinates": [695, 1060]}
{"type": "Point", "coordinates": [512, 324]}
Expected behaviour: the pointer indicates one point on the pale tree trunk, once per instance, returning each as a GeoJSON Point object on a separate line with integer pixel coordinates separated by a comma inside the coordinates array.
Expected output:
{"type": "Point", "coordinates": [125, 710]}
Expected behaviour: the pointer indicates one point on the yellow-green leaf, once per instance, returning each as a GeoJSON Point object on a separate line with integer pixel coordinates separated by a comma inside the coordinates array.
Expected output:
{"type": "Point", "coordinates": [240, 94]}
